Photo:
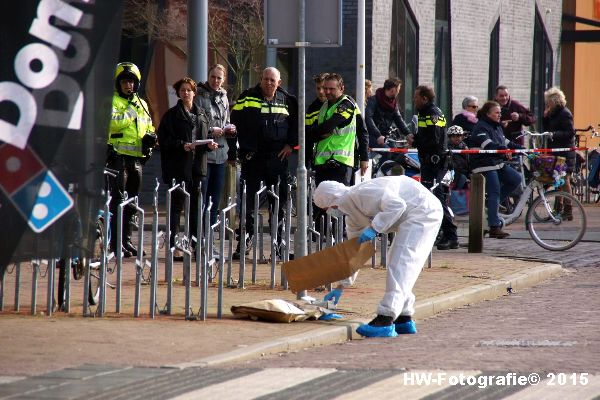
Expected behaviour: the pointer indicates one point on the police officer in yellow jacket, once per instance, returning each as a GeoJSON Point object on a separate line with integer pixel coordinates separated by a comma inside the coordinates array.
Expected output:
{"type": "Point", "coordinates": [338, 128]}
{"type": "Point", "coordinates": [130, 141]}
{"type": "Point", "coordinates": [266, 118]}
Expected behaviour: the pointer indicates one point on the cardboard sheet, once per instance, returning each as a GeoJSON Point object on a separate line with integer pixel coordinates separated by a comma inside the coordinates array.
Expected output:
{"type": "Point", "coordinates": [277, 310]}
{"type": "Point", "coordinates": [327, 266]}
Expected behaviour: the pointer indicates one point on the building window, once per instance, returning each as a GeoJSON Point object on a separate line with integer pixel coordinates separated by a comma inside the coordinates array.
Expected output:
{"type": "Point", "coordinates": [543, 65]}
{"type": "Point", "coordinates": [404, 54]}
{"type": "Point", "coordinates": [493, 71]}
{"type": "Point", "coordinates": [442, 70]}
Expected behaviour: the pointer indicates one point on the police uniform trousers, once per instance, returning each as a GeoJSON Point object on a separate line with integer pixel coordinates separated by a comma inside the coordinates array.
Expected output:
{"type": "Point", "coordinates": [129, 179]}
{"type": "Point", "coordinates": [435, 172]}
{"type": "Point", "coordinates": [270, 170]}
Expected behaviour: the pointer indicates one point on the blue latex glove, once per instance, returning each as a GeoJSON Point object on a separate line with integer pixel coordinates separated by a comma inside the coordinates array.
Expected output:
{"type": "Point", "coordinates": [329, 317]}
{"type": "Point", "coordinates": [367, 235]}
{"type": "Point", "coordinates": [334, 295]}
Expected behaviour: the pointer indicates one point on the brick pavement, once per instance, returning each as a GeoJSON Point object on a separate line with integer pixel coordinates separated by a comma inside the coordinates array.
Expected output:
{"type": "Point", "coordinates": [64, 341]}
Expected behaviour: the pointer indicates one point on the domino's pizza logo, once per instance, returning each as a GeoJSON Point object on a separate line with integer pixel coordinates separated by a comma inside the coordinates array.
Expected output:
{"type": "Point", "coordinates": [32, 188]}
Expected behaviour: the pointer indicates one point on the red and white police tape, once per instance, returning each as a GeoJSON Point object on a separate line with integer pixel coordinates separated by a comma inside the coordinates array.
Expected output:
{"type": "Point", "coordinates": [478, 151]}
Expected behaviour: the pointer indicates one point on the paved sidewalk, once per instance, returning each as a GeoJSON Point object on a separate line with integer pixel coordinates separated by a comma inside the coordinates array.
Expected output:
{"type": "Point", "coordinates": [33, 345]}
{"type": "Point", "coordinates": [36, 344]}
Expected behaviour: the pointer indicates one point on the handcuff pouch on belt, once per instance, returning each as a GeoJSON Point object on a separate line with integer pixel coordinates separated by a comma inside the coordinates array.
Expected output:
{"type": "Point", "coordinates": [331, 164]}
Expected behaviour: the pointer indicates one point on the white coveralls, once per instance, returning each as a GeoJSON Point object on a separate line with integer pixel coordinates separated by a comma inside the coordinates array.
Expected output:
{"type": "Point", "coordinates": [390, 204]}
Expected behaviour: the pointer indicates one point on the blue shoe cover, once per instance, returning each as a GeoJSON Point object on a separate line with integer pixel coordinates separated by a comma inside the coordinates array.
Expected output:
{"type": "Point", "coordinates": [376, 331]}
{"type": "Point", "coordinates": [406, 328]}
{"type": "Point", "coordinates": [329, 317]}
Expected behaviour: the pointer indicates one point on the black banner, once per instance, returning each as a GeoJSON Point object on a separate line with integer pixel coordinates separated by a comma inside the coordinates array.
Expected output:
{"type": "Point", "coordinates": [57, 64]}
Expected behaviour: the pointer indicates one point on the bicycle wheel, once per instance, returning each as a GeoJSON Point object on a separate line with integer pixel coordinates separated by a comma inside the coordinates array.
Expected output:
{"type": "Point", "coordinates": [95, 261]}
{"type": "Point", "coordinates": [551, 225]}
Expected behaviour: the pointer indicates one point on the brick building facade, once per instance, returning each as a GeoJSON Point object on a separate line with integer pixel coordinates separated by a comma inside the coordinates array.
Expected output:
{"type": "Point", "coordinates": [470, 24]}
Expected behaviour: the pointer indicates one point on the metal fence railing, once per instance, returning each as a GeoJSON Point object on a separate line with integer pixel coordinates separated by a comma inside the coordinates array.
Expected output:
{"type": "Point", "coordinates": [207, 258]}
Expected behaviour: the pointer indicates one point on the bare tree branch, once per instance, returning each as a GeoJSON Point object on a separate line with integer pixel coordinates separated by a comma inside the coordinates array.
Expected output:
{"type": "Point", "coordinates": [237, 27]}
{"type": "Point", "coordinates": [235, 30]}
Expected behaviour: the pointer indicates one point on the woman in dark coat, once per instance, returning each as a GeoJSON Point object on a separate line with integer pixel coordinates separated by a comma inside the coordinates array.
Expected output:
{"type": "Point", "coordinates": [558, 120]}
{"type": "Point", "coordinates": [467, 118]}
{"type": "Point", "coordinates": [500, 178]}
{"type": "Point", "coordinates": [181, 160]}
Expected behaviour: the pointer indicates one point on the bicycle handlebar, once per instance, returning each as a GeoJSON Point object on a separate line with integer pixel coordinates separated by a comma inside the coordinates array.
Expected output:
{"type": "Point", "coordinates": [590, 128]}
{"type": "Point", "coordinates": [111, 172]}
{"type": "Point", "coordinates": [529, 133]}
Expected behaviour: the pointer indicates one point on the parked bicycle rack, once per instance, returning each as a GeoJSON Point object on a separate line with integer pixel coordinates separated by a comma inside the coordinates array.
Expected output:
{"type": "Point", "coordinates": [154, 253]}
{"type": "Point", "coordinates": [274, 193]}
{"type": "Point", "coordinates": [206, 262]}
{"type": "Point", "coordinates": [131, 202]}
{"type": "Point", "coordinates": [208, 266]}
{"type": "Point", "coordinates": [101, 309]}
{"type": "Point", "coordinates": [17, 271]}
{"type": "Point", "coordinates": [286, 232]}
{"type": "Point", "coordinates": [182, 244]}
{"type": "Point", "coordinates": [224, 222]}
{"type": "Point", "coordinates": [242, 273]}
{"type": "Point", "coordinates": [34, 283]}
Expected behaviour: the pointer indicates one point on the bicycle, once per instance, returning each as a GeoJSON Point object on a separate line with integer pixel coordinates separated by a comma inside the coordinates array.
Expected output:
{"type": "Point", "coordinates": [93, 261]}
{"type": "Point", "coordinates": [548, 220]}
{"type": "Point", "coordinates": [578, 179]}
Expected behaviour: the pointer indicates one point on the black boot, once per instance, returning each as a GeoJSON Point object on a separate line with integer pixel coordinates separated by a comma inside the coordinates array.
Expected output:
{"type": "Point", "coordinates": [130, 248]}
{"type": "Point", "coordinates": [236, 254]}
{"type": "Point", "coordinates": [446, 244]}
{"type": "Point", "coordinates": [127, 229]}
{"type": "Point", "coordinates": [567, 213]}
{"type": "Point", "coordinates": [126, 253]}
{"type": "Point", "coordinates": [497, 232]}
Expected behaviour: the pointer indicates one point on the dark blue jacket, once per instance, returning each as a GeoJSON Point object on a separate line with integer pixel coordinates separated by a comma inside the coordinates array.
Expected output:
{"type": "Point", "coordinates": [488, 135]}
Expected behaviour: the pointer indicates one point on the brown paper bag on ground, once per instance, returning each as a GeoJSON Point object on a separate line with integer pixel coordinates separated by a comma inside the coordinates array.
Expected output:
{"type": "Point", "coordinates": [327, 266]}
{"type": "Point", "coordinates": [277, 310]}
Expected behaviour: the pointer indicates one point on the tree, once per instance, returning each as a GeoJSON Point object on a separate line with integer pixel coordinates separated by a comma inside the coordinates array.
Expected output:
{"type": "Point", "coordinates": [236, 36]}
{"type": "Point", "coordinates": [151, 19]}
{"type": "Point", "coordinates": [235, 30]}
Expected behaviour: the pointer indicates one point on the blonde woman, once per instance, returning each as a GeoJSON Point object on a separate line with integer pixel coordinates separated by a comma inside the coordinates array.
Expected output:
{"type": "Point", "coordinates": [558, 120]}
{"type": "Point", "coordinates": [212, 97]}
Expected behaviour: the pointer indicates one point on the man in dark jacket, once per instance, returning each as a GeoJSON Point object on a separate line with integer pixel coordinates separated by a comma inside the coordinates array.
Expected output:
{"type": "Point", "coordinates": [514, 115]}
{"type": "Point", "coordinates": [312, 114]}
{"type": "Point", "coordinates": [382, 114]}
{"type": "Point", "coordinates": [266, 118]}
{"type": "Point", "coordinates": [432, 144]}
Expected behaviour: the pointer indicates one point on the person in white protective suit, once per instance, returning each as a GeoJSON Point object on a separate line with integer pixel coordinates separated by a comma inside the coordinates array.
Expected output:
{"type": "Point", "coordinates": [382, 205]}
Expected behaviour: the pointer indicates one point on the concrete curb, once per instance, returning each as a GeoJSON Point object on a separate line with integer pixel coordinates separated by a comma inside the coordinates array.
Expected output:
{"type": "Point", "coordinates": [342, 331]}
